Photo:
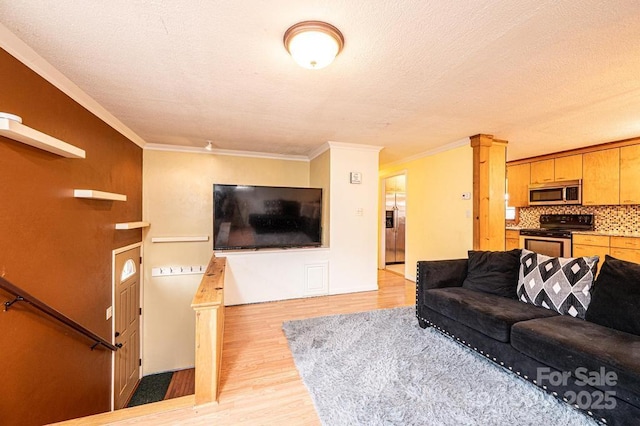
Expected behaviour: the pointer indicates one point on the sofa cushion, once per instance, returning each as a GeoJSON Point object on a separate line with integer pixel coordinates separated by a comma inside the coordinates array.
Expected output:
{"type": "Point", "coordinates": [494, 272]}
{"type": "Point", "coordinates": [566, 343]}
{"type": "Point", "coordinates": [615, 299]}
{"type": "Point", "coordinates": [559, 283]}
{"type": "Point", "coordinates": [489, 314]}
{"type": "Point", "coordinates": [441, 273]}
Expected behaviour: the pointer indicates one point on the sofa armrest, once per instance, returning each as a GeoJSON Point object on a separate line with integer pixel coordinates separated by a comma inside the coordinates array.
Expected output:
{"type": "Point", "coordinates": [441, 273]}
{"type": "Point", "coordinates": [434, 274]}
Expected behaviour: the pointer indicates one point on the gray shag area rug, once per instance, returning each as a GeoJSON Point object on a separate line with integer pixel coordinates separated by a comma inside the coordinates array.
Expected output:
{"type": "Point", "coordinates": [381, 368]}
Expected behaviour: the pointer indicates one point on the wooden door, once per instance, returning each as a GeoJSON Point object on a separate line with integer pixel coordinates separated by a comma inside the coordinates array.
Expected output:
{"type": "Point", "coordinates": [568, 168]}
{"type": "Point", "coordinates": [127, 325]}
{"type": "Point", "coordinates": [601, 177]}
{"type": "Point", "coordinates": [518, 184]}
{"type": "Point", "coordinates": [630, 174]}
{"type": "Point", "coordinates": [542, 171]}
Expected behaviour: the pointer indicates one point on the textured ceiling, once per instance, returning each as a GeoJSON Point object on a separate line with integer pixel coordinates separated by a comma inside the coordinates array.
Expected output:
{"type": "Point", "coordinates": [414, 75]}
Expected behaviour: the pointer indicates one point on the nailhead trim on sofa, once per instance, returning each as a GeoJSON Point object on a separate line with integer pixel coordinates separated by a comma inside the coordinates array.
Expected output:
{"type": "Point", "coordinates": [501, 363]}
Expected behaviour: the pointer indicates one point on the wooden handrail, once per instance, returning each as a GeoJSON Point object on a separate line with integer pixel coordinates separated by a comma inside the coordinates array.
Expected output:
{"type": "Point", "coordinates": [23, 296]}
{"type": "Point", "coordinates": [208, 304]}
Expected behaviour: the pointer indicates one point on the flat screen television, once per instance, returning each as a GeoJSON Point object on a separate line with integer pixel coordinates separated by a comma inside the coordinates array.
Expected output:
{"type": "Point", "coordinates": [253, 217]}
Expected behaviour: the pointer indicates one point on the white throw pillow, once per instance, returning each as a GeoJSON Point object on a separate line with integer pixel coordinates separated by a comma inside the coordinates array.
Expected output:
{"type": "Point", "coordinates": [561, 284]}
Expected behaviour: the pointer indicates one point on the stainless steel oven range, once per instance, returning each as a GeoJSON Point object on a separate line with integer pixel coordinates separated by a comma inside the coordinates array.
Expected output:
{"type": "Point", "coordinates": [553, 238]}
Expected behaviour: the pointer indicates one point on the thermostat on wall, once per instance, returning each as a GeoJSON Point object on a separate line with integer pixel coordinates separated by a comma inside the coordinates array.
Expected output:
{"type": "Point", "coordinates": [355, 177]}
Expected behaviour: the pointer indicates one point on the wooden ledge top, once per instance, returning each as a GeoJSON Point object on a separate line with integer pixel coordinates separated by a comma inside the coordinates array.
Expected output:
{"type": "Point", "coordinates": [211, 290]}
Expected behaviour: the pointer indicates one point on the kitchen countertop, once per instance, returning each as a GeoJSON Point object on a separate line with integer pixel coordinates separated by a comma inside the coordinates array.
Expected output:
{"type": "Point", "coordinates": [609, 233]}
{"type": "Point", "coordinates": [603, 233]}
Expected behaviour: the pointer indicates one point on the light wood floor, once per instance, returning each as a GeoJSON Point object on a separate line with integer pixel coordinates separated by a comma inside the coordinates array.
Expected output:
{"type": "Point", "coordinates": [260, 383]}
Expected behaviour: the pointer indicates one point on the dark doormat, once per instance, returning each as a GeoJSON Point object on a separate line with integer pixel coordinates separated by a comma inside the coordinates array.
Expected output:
{"type": "Point", "coordinates": [152, 388]}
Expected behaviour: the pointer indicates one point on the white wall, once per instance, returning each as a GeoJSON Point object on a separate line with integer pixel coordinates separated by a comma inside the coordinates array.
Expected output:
{"type": "Point", "coordinates": [354, 238]}
{"type": "Point", "coordinates": [267, 275]}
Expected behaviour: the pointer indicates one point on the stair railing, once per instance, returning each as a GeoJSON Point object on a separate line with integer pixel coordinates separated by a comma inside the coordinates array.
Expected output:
{"type": "Point", "coordinates": [23, 296]}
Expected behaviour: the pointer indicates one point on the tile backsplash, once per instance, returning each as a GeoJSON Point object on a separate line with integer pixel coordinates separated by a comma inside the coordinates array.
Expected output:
{"type": "Point", "coordinates": [607, 218]}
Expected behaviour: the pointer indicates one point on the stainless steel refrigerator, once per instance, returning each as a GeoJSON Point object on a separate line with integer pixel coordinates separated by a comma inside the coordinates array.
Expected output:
{"type": "Point", "coordinates": [395, 227]}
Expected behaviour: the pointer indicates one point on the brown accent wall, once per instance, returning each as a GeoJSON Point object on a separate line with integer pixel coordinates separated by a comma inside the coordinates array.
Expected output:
{"type": "Point", "coordinates": [58, 248]}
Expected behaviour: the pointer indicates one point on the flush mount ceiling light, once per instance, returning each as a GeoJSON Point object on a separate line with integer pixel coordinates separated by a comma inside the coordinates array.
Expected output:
{"type": "Point", "coordinates": [313, 44]}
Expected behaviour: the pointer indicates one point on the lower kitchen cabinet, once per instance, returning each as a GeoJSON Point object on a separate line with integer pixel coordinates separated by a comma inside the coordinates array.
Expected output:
{"type": "Point", "coordinates": [590, 245]}
{"type": "Point", "coordinates": [623, 248]}
{"type": "Point", "coordinates": [512, 239]}
{"type": "Point", "coordinates": [580, 250]}
{"type": "Point", "coordinates": [626, 248]}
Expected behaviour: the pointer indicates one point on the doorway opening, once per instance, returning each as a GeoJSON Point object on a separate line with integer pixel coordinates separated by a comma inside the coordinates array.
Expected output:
{"type": "Point", "coordinates": [394, 236]}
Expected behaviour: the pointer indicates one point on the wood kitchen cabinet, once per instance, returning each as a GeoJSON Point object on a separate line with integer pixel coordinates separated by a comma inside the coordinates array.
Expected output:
{"type": "Point", "coordinates": [590, 245]}
{"type": "Point", "coordinates": [568, 168]}
{"type": "Point", "coordinates": [512, 239]}
{"type": "Point", "coordinates": [601, 177]}
{"type": "Point", "coordinates": [518, 177]}
{"type": "Point", "coordinates": [623, 248]}
{"type": "Point", "coordinates": [626, 248]}
{"type": "Point", "coordinates": [557, 169]}
{"type": "Point", "coordinates": [630, 174]}
{"type": "Point", "coordinates": [543, 171]}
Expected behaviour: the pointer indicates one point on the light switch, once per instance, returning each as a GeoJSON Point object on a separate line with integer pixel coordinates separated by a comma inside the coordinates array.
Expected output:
{"type": "Point", "coordinates": [109, 312]}
{"type": "Point", "coordinates": [466, 195]}
{"type": "Point", "coordinates": [359, 211]}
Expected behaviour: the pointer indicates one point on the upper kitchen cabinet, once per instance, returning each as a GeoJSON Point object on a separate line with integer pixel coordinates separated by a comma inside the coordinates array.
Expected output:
{"type": "Point", "coordinates": [542, 171]}
{"type": "Point", "coordinates": [557, 169]}
{"type": "Point", "coordinates": [601, 177]}
{"type": "Point", "coordinates": [568, 168]}
{"type": "Point", "coordinates": [518, 177]}
{"type": "Point", "coordinates": [630, 174]}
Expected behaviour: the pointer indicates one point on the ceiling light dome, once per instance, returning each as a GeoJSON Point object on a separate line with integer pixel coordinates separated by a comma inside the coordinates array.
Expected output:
{"type": "Point", "coordinates": [313, 44]}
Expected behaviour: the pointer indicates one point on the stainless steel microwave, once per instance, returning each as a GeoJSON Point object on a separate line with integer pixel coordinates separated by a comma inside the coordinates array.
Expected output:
{"type": "Point", "coordinates": [556, 193]}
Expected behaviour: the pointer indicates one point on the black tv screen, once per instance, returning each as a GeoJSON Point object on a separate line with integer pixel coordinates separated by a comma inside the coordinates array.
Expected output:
{"type": "Point", "coordinates": [251, 217]}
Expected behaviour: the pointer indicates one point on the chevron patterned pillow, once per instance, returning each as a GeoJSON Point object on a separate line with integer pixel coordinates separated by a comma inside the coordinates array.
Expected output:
{"type": "Point", "coordinates": [561, 284]}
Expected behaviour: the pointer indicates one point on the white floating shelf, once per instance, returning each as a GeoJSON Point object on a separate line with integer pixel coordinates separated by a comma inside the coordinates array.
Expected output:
{"type": "Point", "coordinates": [179, 239]}
{"type": "Point", "coordinates": [11, 127]}
{"type": "Point", "coordinates": [132, 225]}
{"type": "Point", "coordinates": [98, 195]}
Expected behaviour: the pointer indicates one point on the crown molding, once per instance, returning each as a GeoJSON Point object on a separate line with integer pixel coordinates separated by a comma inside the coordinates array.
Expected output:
{"type": "Point", "coordinates": [25, 54]}
{"type": "Point", "coordinates": [434, 151]}
{"type": "Point", "coordinates": [228, 152]}
{"type": "Point", "coordinates": [355, 146]}
{"type": "Point", "coordinates": [318, 151]}
{"type": "Point", "coordinates": [331, 144]}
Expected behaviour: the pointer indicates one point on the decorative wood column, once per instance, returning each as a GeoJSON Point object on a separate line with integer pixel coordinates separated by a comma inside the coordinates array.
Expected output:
{"type": "Point", "coordinates": [489, 188]}
{"type": "Point", "coordinates": [208, 304]}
